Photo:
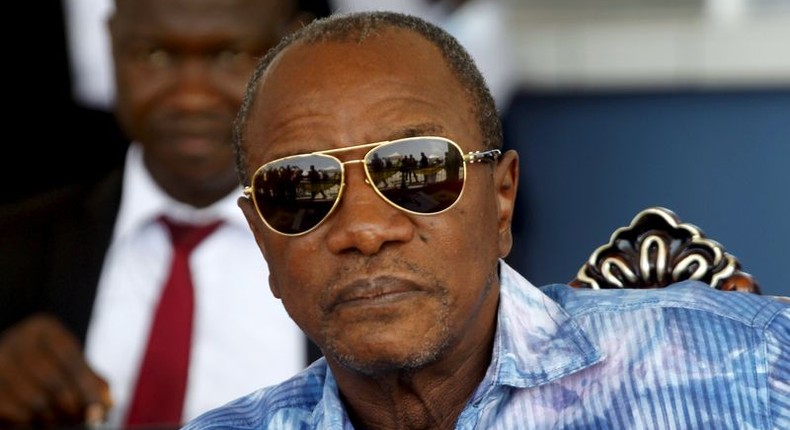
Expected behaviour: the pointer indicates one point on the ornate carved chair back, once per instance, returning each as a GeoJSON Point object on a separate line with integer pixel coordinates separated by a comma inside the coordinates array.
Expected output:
{"type": "Point", "coordinates": [657, 249]}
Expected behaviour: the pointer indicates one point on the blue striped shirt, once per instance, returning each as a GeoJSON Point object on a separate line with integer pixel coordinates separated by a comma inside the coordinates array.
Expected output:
{"type": "Point", "coordinates": [681, 357]}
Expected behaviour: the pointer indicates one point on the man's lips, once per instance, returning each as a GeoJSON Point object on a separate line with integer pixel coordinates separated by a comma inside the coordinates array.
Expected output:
{"type": "Point", "coordinates": [378, 290]}
{"type": "Point", "coordinates": [194, 144]}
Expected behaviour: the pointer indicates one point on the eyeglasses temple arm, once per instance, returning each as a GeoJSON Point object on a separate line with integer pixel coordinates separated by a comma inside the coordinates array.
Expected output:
{"type": "Point", "coordinates": [481, 156]}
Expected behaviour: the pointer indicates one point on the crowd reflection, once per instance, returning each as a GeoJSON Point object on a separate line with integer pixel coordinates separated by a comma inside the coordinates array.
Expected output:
{"type": "Point", "coordinates": [421, 175]}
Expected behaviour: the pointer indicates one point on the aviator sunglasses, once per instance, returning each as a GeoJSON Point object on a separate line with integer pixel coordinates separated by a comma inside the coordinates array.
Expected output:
{"type": "Point", "coordinates": [422, 175]}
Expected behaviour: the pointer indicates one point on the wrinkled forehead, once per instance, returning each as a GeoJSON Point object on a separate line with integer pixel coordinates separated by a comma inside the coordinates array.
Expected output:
{"type": "Point", "coordinates": [193, 6]}
{"type": "Point", "coordinates": [390, 77]}
{"type": "Point", "coordinates": [199, 12]}
{"type": "Point", "coordinates": [391, 51]}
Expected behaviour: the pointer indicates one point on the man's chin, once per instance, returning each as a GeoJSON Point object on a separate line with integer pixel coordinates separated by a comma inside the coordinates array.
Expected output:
{"type": "Point", "coordinates": [200, 147]}
{"type": "Point", "coordinates": [382, 364]}
{"type": "Point", "coordinates": [376, 354]}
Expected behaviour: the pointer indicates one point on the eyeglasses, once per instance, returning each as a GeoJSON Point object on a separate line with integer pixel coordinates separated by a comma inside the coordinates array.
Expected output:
{"type": "Point", "coordinates": [422, 175]}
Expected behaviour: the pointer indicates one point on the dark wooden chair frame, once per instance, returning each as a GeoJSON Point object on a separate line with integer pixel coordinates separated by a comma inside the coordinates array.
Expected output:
{"type": "Point", "coordinates": [657, 249]}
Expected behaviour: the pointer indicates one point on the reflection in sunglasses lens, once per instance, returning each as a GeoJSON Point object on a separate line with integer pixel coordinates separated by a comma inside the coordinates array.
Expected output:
{"type": "Point", "coordinates": [418, 175]}
{"type": "Point", "coordinates": [421, 175]}
{"type": "Point", "coordinates": [295, 193]}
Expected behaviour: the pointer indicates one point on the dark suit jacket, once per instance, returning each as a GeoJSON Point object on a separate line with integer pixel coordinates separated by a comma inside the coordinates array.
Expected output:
{"type": "Point", "coordinates": [52, 248]}
{"type": "Point", "coordinates": [50, 125]}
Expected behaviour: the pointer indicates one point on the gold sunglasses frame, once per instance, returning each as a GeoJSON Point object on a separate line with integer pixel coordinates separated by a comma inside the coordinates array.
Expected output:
{"type": "Point", "coordinates": [471, 157]}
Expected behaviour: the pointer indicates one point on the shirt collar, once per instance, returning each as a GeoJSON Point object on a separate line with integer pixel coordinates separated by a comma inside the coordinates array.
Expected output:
{"type": "Point", "coordinates": [142, 201]}
{"type": "Point", "coordinates": [536, 341]}
{"type": "Point", "coordinates": [330, 412]}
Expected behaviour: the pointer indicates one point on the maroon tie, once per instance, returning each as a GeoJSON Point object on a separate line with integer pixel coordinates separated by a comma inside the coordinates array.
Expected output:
{"type": "Point", "coordinates": [161, 384]}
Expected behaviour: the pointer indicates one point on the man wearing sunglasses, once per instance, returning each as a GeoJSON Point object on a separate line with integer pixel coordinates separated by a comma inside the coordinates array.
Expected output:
{"type": "Point", "coordinates": [82, 270]}
{"type": "Point", "coordinates": [401, 282]}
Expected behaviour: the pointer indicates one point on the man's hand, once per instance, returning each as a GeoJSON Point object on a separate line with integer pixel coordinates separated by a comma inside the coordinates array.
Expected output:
{"type": "Point", "coordinates": [45, 381]}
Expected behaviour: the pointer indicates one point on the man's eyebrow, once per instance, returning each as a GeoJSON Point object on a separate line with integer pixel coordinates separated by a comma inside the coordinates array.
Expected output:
{"type": "Point", "coordinates": [415, 130]}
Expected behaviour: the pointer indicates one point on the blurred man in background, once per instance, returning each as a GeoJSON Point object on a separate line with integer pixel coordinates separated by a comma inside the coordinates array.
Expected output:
{"type": "Point", "coordinates": [83, 267]}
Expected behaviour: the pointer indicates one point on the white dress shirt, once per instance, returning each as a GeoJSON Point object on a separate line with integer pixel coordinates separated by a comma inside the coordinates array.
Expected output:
{"type": "Point", "coordinates": [243, 337]}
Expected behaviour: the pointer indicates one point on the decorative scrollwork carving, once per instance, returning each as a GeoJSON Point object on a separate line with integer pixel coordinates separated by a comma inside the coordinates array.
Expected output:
{"type": "Point", "coordinates": [657, 249]}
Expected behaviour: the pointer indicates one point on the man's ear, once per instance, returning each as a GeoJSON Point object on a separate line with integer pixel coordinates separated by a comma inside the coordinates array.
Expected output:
{"type": "Point", "coordinates": [506, 186]}
{"type": "Point", "coordinates": [256, 225]}
{"type": "Point", "coordinates": [253, 220]}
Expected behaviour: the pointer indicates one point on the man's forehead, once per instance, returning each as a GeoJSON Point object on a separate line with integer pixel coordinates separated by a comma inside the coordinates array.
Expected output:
{"type": "Point", "coordinates": [395, 53]}
{"type": "Point", "coordinates": [199, 4]}
{"type": "Point", "coordinates": [306, 63]}
{"type": "Point", "coordinates": [201, 10]}
{"type": "Point", "coordinates": [348, 92]}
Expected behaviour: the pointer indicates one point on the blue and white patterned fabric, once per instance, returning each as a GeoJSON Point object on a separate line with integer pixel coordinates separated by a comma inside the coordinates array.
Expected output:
{"type": "Point", "coordinates": [682, 357]}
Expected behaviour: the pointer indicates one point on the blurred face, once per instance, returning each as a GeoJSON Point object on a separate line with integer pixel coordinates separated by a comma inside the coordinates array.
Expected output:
{"type": "Point", "coordinates": [377, 288]}
{"type": "Point", "coordinates": [181, 67]}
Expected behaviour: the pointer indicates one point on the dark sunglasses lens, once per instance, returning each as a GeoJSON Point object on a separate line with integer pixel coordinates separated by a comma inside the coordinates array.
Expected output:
{"type": "Point", "coordinates": [422, 175]}
{"type": "Point", "coordinates": [294, 194]}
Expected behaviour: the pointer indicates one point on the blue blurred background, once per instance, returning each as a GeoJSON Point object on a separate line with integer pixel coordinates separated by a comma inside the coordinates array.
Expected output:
{"type": "Point", "coordinates": [719, 159]}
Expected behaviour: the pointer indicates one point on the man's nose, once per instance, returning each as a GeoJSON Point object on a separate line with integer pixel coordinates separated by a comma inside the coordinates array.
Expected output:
{"type": "Point", "coordinates": [195, 87]}
{"type": "Point", "coordinates": [364, 221]}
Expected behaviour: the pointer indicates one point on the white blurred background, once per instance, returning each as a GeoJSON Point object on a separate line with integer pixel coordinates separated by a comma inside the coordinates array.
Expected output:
{"type": "Point", "coordinates": [553, 44]}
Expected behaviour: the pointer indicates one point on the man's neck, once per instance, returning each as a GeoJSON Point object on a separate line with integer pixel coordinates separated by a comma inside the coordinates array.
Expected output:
{"type": "Point", "coordinates": [431, 397]}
